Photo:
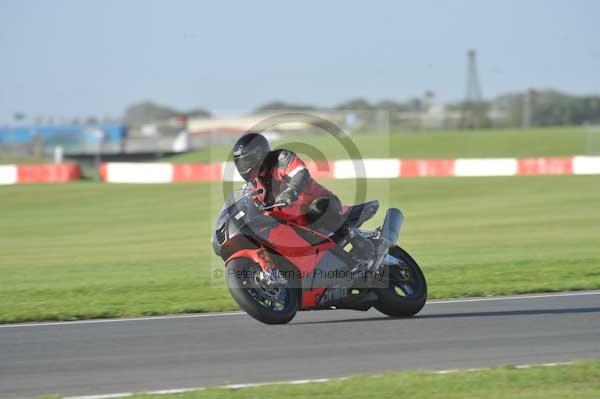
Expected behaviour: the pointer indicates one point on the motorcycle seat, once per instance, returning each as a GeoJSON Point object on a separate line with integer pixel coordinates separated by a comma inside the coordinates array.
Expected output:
{"type": "Point", "coordinates": [353, 217]}
{"type": "Point", "coordinates": [356, 215]}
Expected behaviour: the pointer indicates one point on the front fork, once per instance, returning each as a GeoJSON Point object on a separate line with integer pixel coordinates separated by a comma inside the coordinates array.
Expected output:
{"type": "Point", "coordinates": [269, 276]}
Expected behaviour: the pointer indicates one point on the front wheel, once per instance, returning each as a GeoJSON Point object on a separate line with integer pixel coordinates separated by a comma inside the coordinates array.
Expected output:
{"type": "Point", "coordinates": [405, 289]}
{"type": "Point", "coordinates": [267, 305]}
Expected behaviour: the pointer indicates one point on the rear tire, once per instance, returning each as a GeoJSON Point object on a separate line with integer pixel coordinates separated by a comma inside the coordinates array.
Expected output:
{"type": "Point", "coordinates": [256, 301]}
{"type": "Point", "coordinates": [405, 293]}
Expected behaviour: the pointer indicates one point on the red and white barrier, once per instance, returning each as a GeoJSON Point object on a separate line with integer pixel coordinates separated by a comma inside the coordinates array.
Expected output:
{"type": "Point", "coordinates": [545, 166]}
{"type": "Point", "coordinates": [8, 174]}
{"type": "Point", "coordinates": [485, 167]}
{"type": "Point", "coordinates": [349, 169]}
{"type": "Point", "coordinates": [426, 167]}
{"type": "Point", "coordinates": [366, 168]}
{"type": "Point", "coordinates": [586, 165]}
{"type": "Point", "coordinates": [130, 172]}
{"type": "Point", "coordinates": [44, 173]}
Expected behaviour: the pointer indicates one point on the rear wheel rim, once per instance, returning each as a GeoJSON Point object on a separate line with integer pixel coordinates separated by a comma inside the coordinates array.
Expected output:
{"type": "Point", "coordinates": [402, 280]}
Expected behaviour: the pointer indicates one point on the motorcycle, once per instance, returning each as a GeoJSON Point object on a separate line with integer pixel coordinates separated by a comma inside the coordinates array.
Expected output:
{"type": "Point", "coordinates": [276, 267]}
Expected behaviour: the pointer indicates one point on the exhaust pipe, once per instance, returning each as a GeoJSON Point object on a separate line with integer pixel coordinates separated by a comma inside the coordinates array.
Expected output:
{"type": "Point", "coordinates": [390, 230]}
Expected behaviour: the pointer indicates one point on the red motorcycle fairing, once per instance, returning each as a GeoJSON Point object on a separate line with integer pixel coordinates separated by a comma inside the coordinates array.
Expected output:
{"type": "Point", "coordinates": [305, 256]}
{"type": "Point", "coordinates": [285, 240]}
{"type": "Point", "coordinates": [255, 254]}
{"type": "Point", "coordinates": [310, 297]}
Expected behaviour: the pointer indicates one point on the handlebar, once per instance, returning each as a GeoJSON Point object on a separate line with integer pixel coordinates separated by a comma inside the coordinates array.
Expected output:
{"type": "Point", "coordinates": [253, 192]}
{"type": "Point", "coordinates": [270, 207]}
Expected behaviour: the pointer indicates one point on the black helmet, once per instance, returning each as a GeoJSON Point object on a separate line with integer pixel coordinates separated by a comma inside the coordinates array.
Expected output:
{"type": "Point", "coordinates": [249, 152]}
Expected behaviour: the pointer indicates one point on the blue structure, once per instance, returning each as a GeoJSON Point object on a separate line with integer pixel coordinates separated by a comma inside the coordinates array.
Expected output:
{"type": "Point", "coordinates": [64, 134]}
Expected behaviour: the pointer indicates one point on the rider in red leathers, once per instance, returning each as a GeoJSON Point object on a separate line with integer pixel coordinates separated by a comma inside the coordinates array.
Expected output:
{"type": "Point", "coordinates": [284, 179]}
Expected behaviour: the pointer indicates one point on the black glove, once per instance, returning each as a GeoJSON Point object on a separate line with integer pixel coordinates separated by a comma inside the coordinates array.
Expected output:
{"type": "Point", "coordinates": [287, 196]}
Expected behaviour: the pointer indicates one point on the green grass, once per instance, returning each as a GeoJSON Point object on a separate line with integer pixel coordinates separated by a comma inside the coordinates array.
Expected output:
{"type": "Point", "coordinates": [87, 250]}
{"type": "Point", "coordinates": [580, 380]}
{"type": "Point", "coordinates": [561, 141]}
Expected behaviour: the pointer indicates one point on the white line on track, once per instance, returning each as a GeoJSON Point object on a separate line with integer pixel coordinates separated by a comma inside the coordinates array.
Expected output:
{"type": "Point", "coordinates": [514, 297]}
{"type": "Point", "coordinates": [98, 321]}
{"type": "Point", "coordinates": [226, 314]}
{"type": "Point", "coordinates": [292, 382]}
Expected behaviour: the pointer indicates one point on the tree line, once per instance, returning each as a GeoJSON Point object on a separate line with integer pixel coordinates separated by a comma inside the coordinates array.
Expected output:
{"type": "Point", "coordinates": [529, 108]}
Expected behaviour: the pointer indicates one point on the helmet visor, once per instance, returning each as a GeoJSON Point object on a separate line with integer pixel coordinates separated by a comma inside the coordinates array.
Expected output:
{"type": "Point", "coordinates": [247, 163]}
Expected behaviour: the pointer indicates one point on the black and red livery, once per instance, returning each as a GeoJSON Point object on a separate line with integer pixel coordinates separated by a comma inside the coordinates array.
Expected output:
{"type": "Point", "coordinates": [275, 266]}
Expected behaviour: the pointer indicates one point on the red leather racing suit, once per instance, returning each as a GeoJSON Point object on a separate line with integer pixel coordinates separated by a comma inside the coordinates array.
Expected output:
{"type": "Point", "coordinates": [281, 170]}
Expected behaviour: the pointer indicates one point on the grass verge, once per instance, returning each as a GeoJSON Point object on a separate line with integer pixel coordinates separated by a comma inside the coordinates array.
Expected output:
{"type": "Point", "coordinates": [579, 380]}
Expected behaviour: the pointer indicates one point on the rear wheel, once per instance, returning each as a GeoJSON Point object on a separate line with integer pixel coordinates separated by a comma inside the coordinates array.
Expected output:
{"type": "Point", "coordinates": [405, 291]}
{"type": "Point", "coordinates": [267, 305]}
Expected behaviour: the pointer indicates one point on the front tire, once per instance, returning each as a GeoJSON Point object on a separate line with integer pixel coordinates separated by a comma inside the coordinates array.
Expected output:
{"type": "Point", "coordinates": [269, 306]}
{"type": "Point", "coordinates": [405, 291]}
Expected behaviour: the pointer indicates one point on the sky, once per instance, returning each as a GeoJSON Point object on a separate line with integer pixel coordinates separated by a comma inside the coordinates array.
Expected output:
{"type": "Point", "coordinates": [78, 58]}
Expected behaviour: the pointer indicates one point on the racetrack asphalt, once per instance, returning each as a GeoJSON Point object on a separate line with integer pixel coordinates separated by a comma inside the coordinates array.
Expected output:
{"type": "Point", "coordinates": [114, 356]}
